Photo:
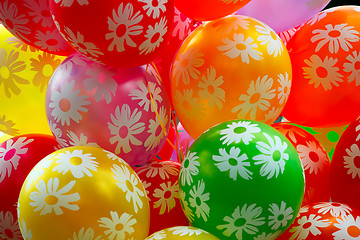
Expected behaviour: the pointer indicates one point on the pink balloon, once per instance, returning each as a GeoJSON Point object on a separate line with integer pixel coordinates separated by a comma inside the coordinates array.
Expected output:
{"type": "Point", "coordinates": [282, 15]}
{"type": "Point", "coordinates": [92, 104]}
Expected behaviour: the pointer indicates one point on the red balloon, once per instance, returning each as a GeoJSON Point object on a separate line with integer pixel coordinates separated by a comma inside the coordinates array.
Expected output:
{"type": "Point", "coordinates": [31, 21]}
{"type": "Point", "coordinates": [324, 221]}
{"type": "Point", "coordinates": [120, 33]}
{"type": "Point", "coordinates": [160, 179]}
{"type": "Point", "coordinates": [345, 167]}
{"type": "Point", "coordinates": [18, 156]}
{"type": "Point", "coordinates": [168, 147]}
{"type": "Point", "coordinates": [314, 159]}
{"type": "Point", "coordinates": [326, 76]}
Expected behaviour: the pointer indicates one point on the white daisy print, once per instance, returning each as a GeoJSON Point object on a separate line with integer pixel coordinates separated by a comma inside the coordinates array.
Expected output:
{"type": "Point", "coordinates": [50, 41]}
{"type": "Point", "coordinates": [87, 234]}
{"type": "Point", "coordinates": [157, 235]}
{"type": "Point", "coordinates": [166, 195]}
{"type": "Point", "coordinates": [189, 168]}
{"type": "Point", "coordinates": [81, 140]}
{"type": "Point", "coordinates": [154, 8]}
{"type": "Point", "coordinates": [78, 163]}
{"type": "Point", "coordinates": [335, 209]}
{"type": "Point", "coordinates": [38, 170]}
{"type": "Point", "coordinates": [57, 132]}
{"type": "Point", "coordinates": [188, 105]}
{"type": "Point", "coordinates": [322, 72]}
{"type": "Point", "coordinates": [269, 236]}
{"type": "Point", "coordinates": [118, 227]}
{"type": "Point", "coordinates": [349, 228]}
{"type": "Point", "coordinates": [273, 156]}
{"type": "Point", "coordinates": [49, 198]}
{"type": "Point", "coordinates": [210, 89]}
{"type": "Point", "coordinates": [198, 199]}
{"type": "Point", "coordinates": [9, 227]}
{"type": "Point", "coordinates": [128, 182]}
{"type": "Point", "coordinates": [353, 67]}
{"type": "Point", "coordinates": [316, 18]}
{"type": "Point", "coordinates": [143, 94]}
{"type": "Point", "coordinates": [272, 115]}
{"type": "Point", "coordinates": [305, 226]}
{"type": "Point", "coordinates": [181, 25]}
{"type": "Point", "coordinates": [10, 155]}
{"type": "Point", "coordinates": [187, 66]}
{"type": "Point", "coordinates": [242, 221]}
{"type": "Point", "coordinates": [239, 131]}
{"type": "Point", "coordinates": [123, 24]}
{"type": "Point", "coordinates": [68, 3]}
{"type": "Point", "coordinates": [340, 35]}
{"type": "Point", "coordinates": [186, 231]}
{"type": "Point", "coordinates": [124, 127]}
{"type": "Point", "coordinates": [284, 89]}
{"type": "Point", "coordinates": [313, 157]}
{"type": "Point", "coordinates": [68, 103]}
{"type": "Point", "coordinates": [102, 82]}
{"type": "Point", "coordinates": [185, 206]}
{"type": "Point", "coordinates": [155, 36]}
{"type": "Point", "coordinates": [271, 39]}
{"type": "Point", "coordinates": [26, 233]}
{"type": "Point", "coordinates": [231, 23]}
{"type": "Point", "coordinates": [78, 42]}
{"type": "Point", "coordinates": [156, 129]}
{"type": "Point", "coordinates": [280, 216]}
{"type": "Point", "coordinates": [258, 95]}
{"type": "Point", "coordinates": [291, 132]}
{"type": "Point", "coordinates": [234, 162]}
{"type": "Point", "coordinates": [351, 161]}
{"type": "Point", "coordinates": [239, 46]}
{"type": "Point", "coordinates": [39, 12]}
{"type": "Point", "coordinates": [163, 169]}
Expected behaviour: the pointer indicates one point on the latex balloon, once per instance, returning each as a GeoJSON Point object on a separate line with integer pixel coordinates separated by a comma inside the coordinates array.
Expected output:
{"type": "Point", "coordinates": [231, 68]}
{"type": "Point", "coordinates": [160, 179]}
{"type": "Point", "coordinates": [282, 15]}
{"type": "Point", "coordinates": [31, 21]}
{"type": "Point", "coordinates": [314, 159]}
{"type": "Point", "coordinates": [324, 221]}
{"type": "Point", "coordinates": [182, 232]}
{"type": "Point", "coordinates": [24, 75]}
{"type": "Point", "coordinates": [121, 33]}
{"type": "Point", "coordinates": [123, 110]}
{"type": "Point", "coordinates": [83, 192]}
{"type": "Point", "coordinates": [326, 78]}
{"type": "Point", "coordinates": [242, 172]}
{"type": "Point", "coordinates": [4, 137]}
{"type": "Point", "coordinates": [18, 155]}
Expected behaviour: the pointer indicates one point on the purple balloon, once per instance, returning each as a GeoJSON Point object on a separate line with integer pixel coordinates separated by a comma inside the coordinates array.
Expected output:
{"type": "Point", "coordinates": [282, 15]}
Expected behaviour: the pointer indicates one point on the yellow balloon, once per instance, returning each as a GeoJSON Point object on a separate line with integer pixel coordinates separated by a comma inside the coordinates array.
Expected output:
{"type": "Point", "coordinates": [24, 76]}
{"type": "Point", "coordinates": [4, 137]}
{"type": "Point", "coordinates": [83, 193]}
{"type": "Point", "coordinates": [182, 232]}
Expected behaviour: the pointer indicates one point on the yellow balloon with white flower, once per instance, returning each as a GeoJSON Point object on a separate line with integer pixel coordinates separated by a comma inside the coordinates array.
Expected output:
{"type": "Point", "coordinates": [83, 193]}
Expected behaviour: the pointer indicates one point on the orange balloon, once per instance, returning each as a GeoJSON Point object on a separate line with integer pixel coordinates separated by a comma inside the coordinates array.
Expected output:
{"type": "Point", "coordinates": [231, 68]}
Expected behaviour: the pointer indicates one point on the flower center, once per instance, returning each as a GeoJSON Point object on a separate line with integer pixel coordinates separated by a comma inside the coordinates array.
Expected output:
{"type": "Point", "coordinates": [357, 161]}
{"type": "Point", "coordinates": [155, 3]}
{"type": "Point", "coordinates": [9, 154]}
{"type": "Point", "coordinates": [9, 234]}
{"type": "Point", "coordinates": [47, 70]}
{"type": "Point", "coordinates": [65, 105]}
{"type": "Point", "coordinates": [184, 63]}
{"type": "Point", "coordinates": [81, 45]}
{"type": "Point", "coordinates": [76, 161]}
{"type": "Point", "coordinates": [3, 128]}
{"type": "Point", "coordinates": [233, 162]}
{"type": "Point", "coordinates": [313, 156]}
{"type": "Point", "coordinates": [211, 89]}
{"type": "Point", "coordinates": [129, 185]}
{"type": "Point", "coordinates": [121, 30]}
{"type": "Point", "coordinates": [119, 227]}
{"type": "Point", "coordinates": [241, 46]}
{"type": "Point", "coordinates": [52, 42]}
{"type": "Point", "coordinates": [186, 163]}
{"type": "Point", "coordinates": [158, 131]}
{"type": "Point", "coordinates": [123, 131]}
{"type": "Point", "coordinates": [45, 13]}
{"type": "Point", "coordinates": [240, 130]}
{"type": "Point", "coordinates": [286, 89]}
{"type": "Point", "coordinates": [280, 217]}
{"type": "Point", "coordinates": [167, 194]}
{"type": "Point", "coordinates": [4, 72]}
{"type": "Point", "coordinates": [357, 65]}
{"type": "Point", "coordinates": [336, 204]}
{"type": "Point", "coordinates": [101, 77]}
{"type": "Point", "coordinates": [307, 225]}
{"type": "Point", "coordinates": [255, 98]}
{"type": "Point", "coordinates": [198, 201]}
{"type": "Point", "coordinates": [334, 33]}
{"type": "Point", "coordinates": [240, 222]}
{"type": "Point", "coordinates": [187, 106]}
{"type": "Point", "coordinates": [155, 38]}
{"type": "Point", "coordinates": [51, 200]}
{"type": "Point", "coordinates": [353, 231]}
{"type": "Point", "coordinates": [322, 72]}
{"type": "Point", "coordinates": [276, 156]}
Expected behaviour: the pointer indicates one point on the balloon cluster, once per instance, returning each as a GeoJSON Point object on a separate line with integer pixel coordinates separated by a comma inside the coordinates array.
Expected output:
{"type": "Point", "coordinates": [176, 119]}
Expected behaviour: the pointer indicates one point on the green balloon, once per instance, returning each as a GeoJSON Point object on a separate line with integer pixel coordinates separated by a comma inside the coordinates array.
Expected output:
{"type": "Point", "coordinates": [242, 179]}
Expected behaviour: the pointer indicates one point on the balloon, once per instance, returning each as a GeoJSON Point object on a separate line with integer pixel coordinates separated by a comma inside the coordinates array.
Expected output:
{"type": "Point", "coordinates": [344, 171]}
{"type": "Point", "coordinates": [324, 221]}
{"type": "Point", "coordinates": [243, 173]}
{"type": "Point", "coordinates": [282, 15]}
{"type": "Point", "coordinates": [231, 68]}
{"type": "Point", "coordinates": [326, 77]}
{"type": "Point", "coordinates": [121, 33]}
{"type": "Point", "coordinates": [24, 75]}
{"type": "Point", "coordinates": [18, 156]}
{"type": "Point", "coordinates": [160, 179]}
{"type": "Point", "coordinates": [92, 104]}
{"type": "Point", "coordinates": [213, 9]}
{"type": "Point", "coordinates": [314, 159]}
{"type": "Point", "coordinates": [4, 137]}
{"type": "Point", "coordinates": [83, 191]}
{"type": "Point", "coordinates": [31, 21]}
{"type": "Point", "coordinates": [182, 232]}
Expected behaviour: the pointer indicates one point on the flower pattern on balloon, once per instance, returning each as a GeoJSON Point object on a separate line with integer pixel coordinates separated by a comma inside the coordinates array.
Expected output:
{"type": "Point", "coordinates": [350, 160]}
{"type": "Point", "coordinates": [258, 96]}
{"type": "Point", "coordinates": [322, 72]}
{"type": "Point", "coordinates": [39, 12]}
{"type": "Point", "coordinates": [198, 198]}
{"type": "Point", "coordinates": [273, 42]}
{"type": "Point", "coordinates": [123, 24]}
{"type": "Point", "coordinates": [155, 36]}
{"type": "Point", "coordinates": [239, 131]}
{"type": "Point", "coordinates": [38, 170]}
{"type": "Point", "coordinates": [69, 3]}
{"type": "Point", "coordinates": [7, 126]}
{"type": "Point", "coordinates": [305, 226]}
{"type": "Point", "coordinates": [128, 183]}
{"type": "Point", "coordinates": [158, 168]}
{"type": "Point", "coordinates": [338, 36]}
{"type": "Point", "coordinates": [231, 23]}
{"type": "Point", "coordinates": [268, 236]}
{"type": "Point", "coordinates": [281, 215]}
{"type": "Point", "coordinates": [186, 231]}
{"type": "Point", "coordinates": [58, 134]}
{"type": "Point", "coordinates": [81, 140]}
{"type": "Point", "coordinates": [312, 157]}
{"type": "Point", "coordinates": [272, 156]}
{"type": "Point", "coordinates": [26, 233]}
{"type": "Point", "coordinates": [143, 94]}
{"type": "Point", "coordinates": [124, 127]}
{"type": "Point", "coordinates": [166, 194]}
{"type": "Point", "coordinates": [156, 129]}
{"type": "Point", "coordinates": [335, 209]}
{"type": "Point", "coordinates": [181, 25]}
{"type": "Point", "coordinates": [352, 67]}
{"type": "Point", "coordinates": [210, 89]}
{"type": "Point", "coordinates": [284, 89]}
{"type": "Point", "coordinates": [68, 103]}
{"type": "Point", "coordinates": [154, 8]}
{"type": "Point", "coordinates": [185, 206]}
{"type": "Point", "coordinates": [157, 235]}
{"type": "Point", "coordinates": [126, 221]}
{"type": "Point", "coordinates": [49, 197]}
{"type": "Point", "coordinates": [189, 168]}
{"type": "Point", "coordinates": [235, 162]}
{"type": "Point", "coordinates": [242, 221]}
{"type": "Point", "coordinates": [9, 228]}
{"type": "Point", "coordinates": [188, 105]}
{"type": "Point", "coordinates": [10, 155]}
{"type": "Point", "coordinates": [83, 234]}
{"type": "Point", "coordinates": [348, 226]}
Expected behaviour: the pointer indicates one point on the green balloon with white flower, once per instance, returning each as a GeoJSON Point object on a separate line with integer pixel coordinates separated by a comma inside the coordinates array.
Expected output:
{"type": "Point", "coordinates": [242, 179]}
